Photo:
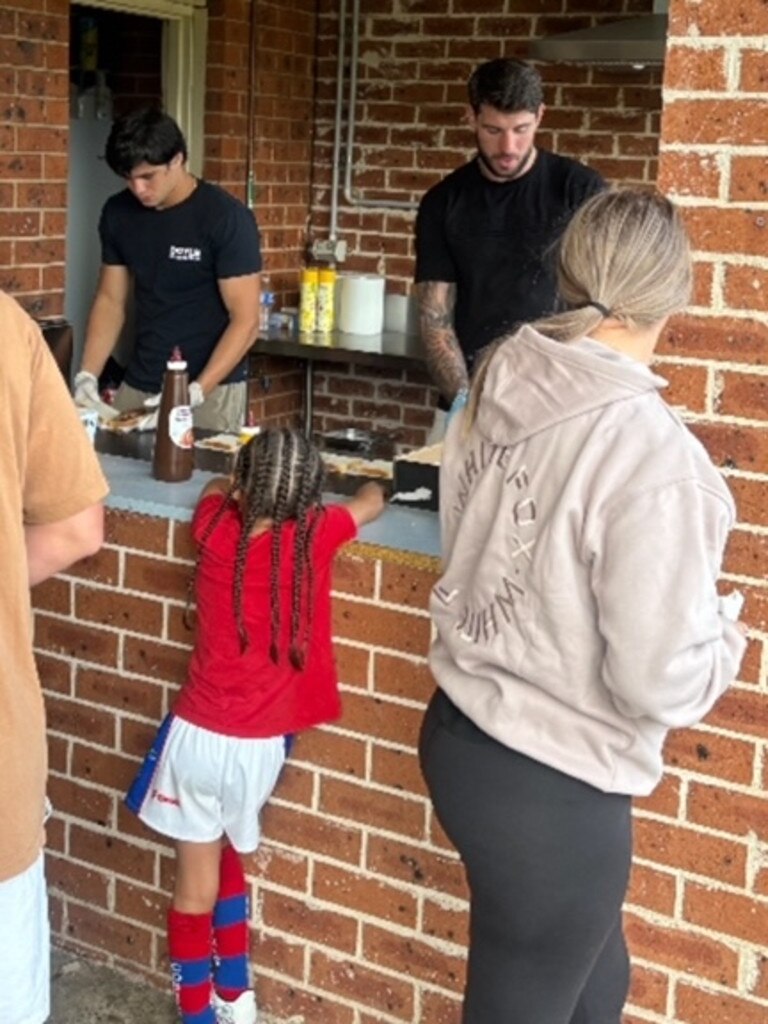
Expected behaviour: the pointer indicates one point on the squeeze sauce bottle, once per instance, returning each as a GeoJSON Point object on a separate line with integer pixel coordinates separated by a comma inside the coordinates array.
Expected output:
{"type": "Point", "coordinates": [173, 458]}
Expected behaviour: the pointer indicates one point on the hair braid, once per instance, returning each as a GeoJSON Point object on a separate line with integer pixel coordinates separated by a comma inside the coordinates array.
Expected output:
{"type": "Point", "coordinates": [278, 476]}
{"type": "Point", "coordinates": [281, 513]}
{"type": "Point", "coordinates": [215, 519]}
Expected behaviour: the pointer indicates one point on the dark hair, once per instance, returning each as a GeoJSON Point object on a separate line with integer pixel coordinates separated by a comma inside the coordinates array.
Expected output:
{"type": "Point", "coordinates": [278, 475]}
{"type": "Point", "coordinates": [507, 85]}
{"type": "Point", "coordinates": [145, 136]}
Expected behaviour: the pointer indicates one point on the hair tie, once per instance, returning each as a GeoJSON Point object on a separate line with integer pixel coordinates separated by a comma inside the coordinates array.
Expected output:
{"type": "Point", "coordinates": [599, 307]}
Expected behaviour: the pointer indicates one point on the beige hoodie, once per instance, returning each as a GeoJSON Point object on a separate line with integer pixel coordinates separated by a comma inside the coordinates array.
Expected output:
{"type": "Point", "coordinates": [583, 529]}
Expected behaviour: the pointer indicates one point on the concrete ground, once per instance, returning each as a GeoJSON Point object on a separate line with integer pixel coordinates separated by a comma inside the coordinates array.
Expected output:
{"type": "Point", "coordinates": [86, 993]}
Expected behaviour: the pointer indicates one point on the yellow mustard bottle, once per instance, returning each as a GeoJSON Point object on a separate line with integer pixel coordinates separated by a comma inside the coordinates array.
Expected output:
{"type": "Point", "coordinates": [308, 300]}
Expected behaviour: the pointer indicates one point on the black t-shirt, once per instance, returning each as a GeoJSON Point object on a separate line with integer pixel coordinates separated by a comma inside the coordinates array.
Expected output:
{"type": "Point", "coordinates": [495, 241]}
{"type": "Point", "coordinates": [176, 257]}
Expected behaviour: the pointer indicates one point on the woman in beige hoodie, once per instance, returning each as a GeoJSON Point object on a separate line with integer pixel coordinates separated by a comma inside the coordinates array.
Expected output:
{"type": "Point", "coordinates": [577, 617]}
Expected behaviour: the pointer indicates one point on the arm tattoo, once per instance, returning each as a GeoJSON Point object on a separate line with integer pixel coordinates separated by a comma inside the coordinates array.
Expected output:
{"type": "Point", "coordinates": [444, 356]}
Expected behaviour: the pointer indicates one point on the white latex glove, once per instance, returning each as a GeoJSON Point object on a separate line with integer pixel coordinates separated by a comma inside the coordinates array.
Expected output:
{"type": "Point", "coordinates": [87, 395]}
{"type": "Point", "coordinates": [196, 396]}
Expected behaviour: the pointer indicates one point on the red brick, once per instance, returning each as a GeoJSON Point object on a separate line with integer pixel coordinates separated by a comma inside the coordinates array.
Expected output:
{"type": "Point", "coordinates": [425, 962]}
{"type": "Point", "coordinates": [401, 584]}
{"type": "Point", "coordinates": [347, 800]}
{"type": "Point", "coordinates": [366, 895]}
{"type": "Point", "coordinates": [63, 636]}
{"type": "Point", "coordinates": [749, 176]}
{"type": "Point", "coordinates": [73, 880]}
{"type": "Point", "coordinates": [111, 853]}
{"type": "Point", "coordinates": [352, 664]}
{"type": "Point", "coordinates": [131, 530]}
{"type": "Point", "coordinates": [290, 1002]}
{"type": "Point", "coordinates": [354, 575]}
{"type": "Point", "coordinates": [733, 447]}
{"type": "Point", "coordinates": [390, 994]}
{"type": "Point", "coordinates": [381, 627]}
{"type": "Point", "coordinates": [274, 866]}
{"type": "Point", "coordinates": [438, 1008]}
{"type": "Point", "coordinates": [750, 497]}
{"type": "Point", "coordinates": [327, 748]}
{"type": "Point", "coordinates": [728, 913]}
{"type": "Point", "coordinates": [160, 661]}
{"type": "Point", "coordinates": [747, 288]}
{"type": "Point", "coordinates": [315, 833]}
{"type": "Point", "coordinates": [329, 928]}
{"type": "Point", "coordinates": [55, 674]}
{"type": "Point", "coordinates": [102, 767]}
{"type": "Point", "coordinates": [674, 947]}
{"type": "Point", "coordinates": [156, 576]}
{"type": "Point", "coordinates": [142, 904]}
{"type": "Point", "coordinates": [729, 339]}
{"type": "Point", "coordinates": [665, 799]}
{"type": "Point", "coordinates": [652, 889]}
{"type": "Point", "coordinates": [727, 811]}
{"type": "Point", "coordinates": [53, 595]}
{"type": "Point", "coordinates": [428, 869]}
{"type": "Point", "coordinates": [727, 230]}
{"type": "Point", "coordinates": [753, 70]}
{"type": "Point", "coordinates": [690, 851]}
{"type": "Point", "coordinates": [120, 691]}
{"type": "Point", "coordinates": [692, 18]}
{"type": "Point", "coordinates": [687, 386]}
{"type": "Point", "coordinates": [450, 924]}
{"type": "Point", "coordinates": [397, 769]}
{"type": "Point", "coordinates": [649, 989]}
{"type": "Point", "coordinates": [381, 719]}
{"type": "Point", "coordinates": [119, 610]}
{"type": "Point", "coordinates": [105, 932]}
{"type": "Point", "coordinates": [71, 797]}
{"type": "Point", "coordinates": [695, 1005]}
{"type": "Point", "coordinates": [397, 676]}
{"type": "Point", "coordinates": [747, 555]}
{"type": "Point", "coordinates": [710, 754]}
{"type": "Point", "coordinates": [687, 69]}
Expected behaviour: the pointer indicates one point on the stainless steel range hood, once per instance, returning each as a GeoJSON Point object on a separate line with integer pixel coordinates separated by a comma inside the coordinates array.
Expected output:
{"type": "Point", "coordinates": [636, 42]}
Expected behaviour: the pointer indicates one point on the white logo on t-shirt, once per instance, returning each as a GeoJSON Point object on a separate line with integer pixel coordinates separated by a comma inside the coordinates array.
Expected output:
{"type": "Point", "coordinates": [185, 254]}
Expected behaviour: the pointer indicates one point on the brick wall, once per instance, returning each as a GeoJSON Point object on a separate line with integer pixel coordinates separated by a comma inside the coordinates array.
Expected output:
{"type": "Point", "coordinates": [34, 116]}
{"type": "Point", "coordinates": [699, 916]}
{"type": "Point", "coordinates": [359, 911]}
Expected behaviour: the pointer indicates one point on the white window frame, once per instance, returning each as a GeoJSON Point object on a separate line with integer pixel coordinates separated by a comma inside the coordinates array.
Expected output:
{"type": "Point", "coordinates": [185, 34]}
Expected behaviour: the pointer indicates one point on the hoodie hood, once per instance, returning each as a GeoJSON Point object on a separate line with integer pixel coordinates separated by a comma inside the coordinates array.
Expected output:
{"type": "Point", "coordinates": [534, 383]}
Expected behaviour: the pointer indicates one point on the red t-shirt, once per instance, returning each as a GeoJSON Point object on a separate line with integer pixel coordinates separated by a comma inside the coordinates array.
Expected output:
{"type": "Point", "coordinates": [246, 694]}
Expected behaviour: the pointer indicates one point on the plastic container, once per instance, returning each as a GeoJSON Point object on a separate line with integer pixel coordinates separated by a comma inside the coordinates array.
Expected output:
{"type": "Point", "coordinates": [326, 292]}
{"type": "Point", "coordinates": [173, 457]}
{"type": "Point", "coordinates": [308, 300]}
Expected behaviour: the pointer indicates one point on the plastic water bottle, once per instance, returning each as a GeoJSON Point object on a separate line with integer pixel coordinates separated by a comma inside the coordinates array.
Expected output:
{"type": "Point", "coordinates": [266, 302]}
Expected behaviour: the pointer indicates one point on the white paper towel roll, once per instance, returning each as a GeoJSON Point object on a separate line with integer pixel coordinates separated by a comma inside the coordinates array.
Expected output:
{"type": "Point", "coordinates": [361, 304]}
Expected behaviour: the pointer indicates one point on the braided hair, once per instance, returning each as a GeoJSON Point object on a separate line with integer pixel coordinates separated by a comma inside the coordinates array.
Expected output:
{"type": "Point", "coordinates": [279, 476]}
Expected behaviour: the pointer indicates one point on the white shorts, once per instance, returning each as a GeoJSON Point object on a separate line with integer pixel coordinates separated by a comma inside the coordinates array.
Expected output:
{"type": "Point", "coordinates": [25, 951]}
{"type": "Point", "coordinates": [197, 785]}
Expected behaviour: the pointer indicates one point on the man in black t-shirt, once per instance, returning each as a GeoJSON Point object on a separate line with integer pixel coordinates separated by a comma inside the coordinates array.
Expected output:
{"type": "Point", "coordinates": [485, 233]}
{"type": "Point", "coordinates": [189, 253]}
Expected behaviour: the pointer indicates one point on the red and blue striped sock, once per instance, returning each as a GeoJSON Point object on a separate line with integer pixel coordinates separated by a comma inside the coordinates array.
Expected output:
{"type": "Point", "coordinates": [190, 946]}
{"type": "Point", "coordinates": [231, 965]}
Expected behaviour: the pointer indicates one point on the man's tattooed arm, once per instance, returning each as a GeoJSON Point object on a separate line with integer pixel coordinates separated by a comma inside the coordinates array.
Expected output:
{"type": "Point", "coordinates": [444, 356]}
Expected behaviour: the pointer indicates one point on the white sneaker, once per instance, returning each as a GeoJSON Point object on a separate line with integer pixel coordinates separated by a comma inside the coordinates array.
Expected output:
{"type": "Point", "coordinates": [242, 1011]}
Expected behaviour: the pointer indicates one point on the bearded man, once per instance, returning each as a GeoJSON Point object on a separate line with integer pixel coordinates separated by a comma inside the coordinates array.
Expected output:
{"type": "Point", "coordinates": [485, 234]}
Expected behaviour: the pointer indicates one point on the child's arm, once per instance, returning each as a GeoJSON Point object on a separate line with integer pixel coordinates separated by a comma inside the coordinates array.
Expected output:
{"type": "Point", "coordinates": [219, 485]}
{"type": "Point", "coordinates": [367, 504]}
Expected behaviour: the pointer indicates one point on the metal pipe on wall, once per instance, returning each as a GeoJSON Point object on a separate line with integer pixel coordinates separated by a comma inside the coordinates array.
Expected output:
{"type": "Point", "coordinates": [337, 121]}
{"type": "Point", "coordinates": [349, 191]}
{"type": "Point", "coordinates": [250, 183]}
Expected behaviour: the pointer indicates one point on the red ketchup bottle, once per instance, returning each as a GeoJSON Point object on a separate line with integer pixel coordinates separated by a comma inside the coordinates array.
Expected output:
{"type": "Point", "coordinates": [174, 457]}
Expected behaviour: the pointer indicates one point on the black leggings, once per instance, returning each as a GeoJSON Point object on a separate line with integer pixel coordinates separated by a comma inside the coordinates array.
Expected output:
{"type": "Point", "coordinates": [547, 860]}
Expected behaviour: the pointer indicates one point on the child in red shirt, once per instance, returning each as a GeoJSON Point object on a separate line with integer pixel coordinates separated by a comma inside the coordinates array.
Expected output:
{"type": "Point", "coordinates": [262, 668]}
